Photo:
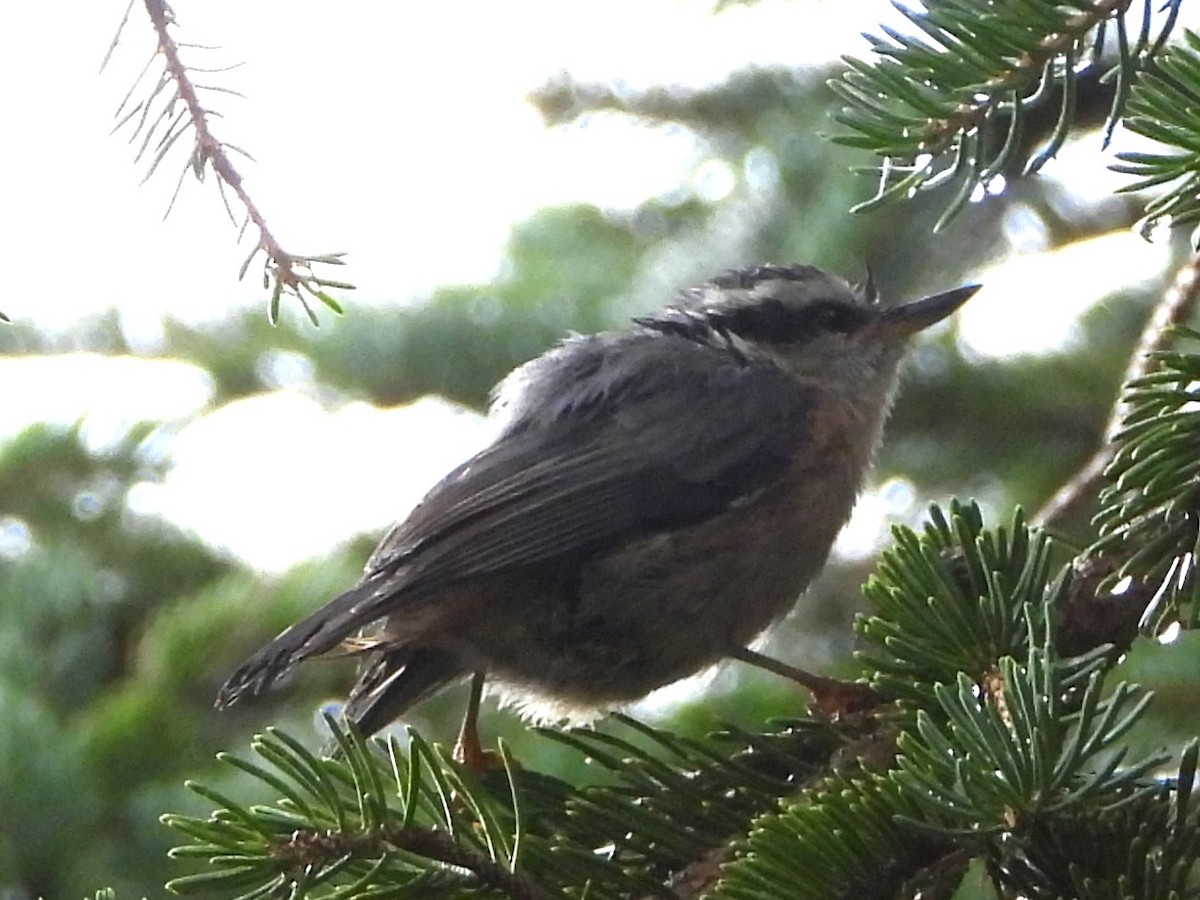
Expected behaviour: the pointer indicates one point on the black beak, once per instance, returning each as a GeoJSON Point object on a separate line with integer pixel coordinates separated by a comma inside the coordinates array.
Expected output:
{"type": "Point", "coordinates": [910, 318]}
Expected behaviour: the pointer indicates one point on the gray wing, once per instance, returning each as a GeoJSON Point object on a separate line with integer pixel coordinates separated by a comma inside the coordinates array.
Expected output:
{"type": "Point", "coordinates": [672, 433]}
{"type": "Point", "coordinates": [641, 435]}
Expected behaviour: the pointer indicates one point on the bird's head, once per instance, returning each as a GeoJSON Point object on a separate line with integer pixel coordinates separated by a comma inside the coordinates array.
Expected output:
{"type": "Point", "coordinates": [812, 324]}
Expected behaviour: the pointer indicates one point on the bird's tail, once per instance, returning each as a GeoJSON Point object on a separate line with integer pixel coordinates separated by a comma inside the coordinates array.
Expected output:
{"type": "Point", "coordinates": [316, 634]}
{"type": "Point", "coordinates": [395, 680]}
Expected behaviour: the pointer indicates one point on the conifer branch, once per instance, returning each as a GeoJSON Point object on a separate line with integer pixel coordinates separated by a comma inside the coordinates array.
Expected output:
{"type": "Point", "coordinates": [972, 114]}
{"type": "Point", "coordinates": [1174, 308]}
{"type": "Point", "coordinates": [309, 850]}
{"type": "Point", "coordinates": [172, 110]}
{"type": "Point", "coordinates": [950, 107]}
{"type": "Point", "coordinates": [1026, 775]}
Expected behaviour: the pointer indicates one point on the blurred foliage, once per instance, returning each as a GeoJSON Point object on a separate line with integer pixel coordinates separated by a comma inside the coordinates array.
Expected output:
{"type": "Point", "coordinates": [116, 629]}
{"type": "Point", "coordinates": [80, 578]}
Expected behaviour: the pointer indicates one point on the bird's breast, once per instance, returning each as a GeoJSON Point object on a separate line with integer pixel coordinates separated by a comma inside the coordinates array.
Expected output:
{"type": "Point", "coordinates": [666, 605]}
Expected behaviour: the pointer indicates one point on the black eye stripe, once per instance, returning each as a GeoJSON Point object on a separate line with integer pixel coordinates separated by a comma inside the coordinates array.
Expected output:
{"type": "Point", "coordinates": [773, 322]}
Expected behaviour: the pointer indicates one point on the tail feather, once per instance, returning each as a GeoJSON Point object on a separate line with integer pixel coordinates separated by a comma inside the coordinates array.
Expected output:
{"type": "Point", "coordinates": [313, 635]}
{"type": "Point", "coordinates": [396, 680]}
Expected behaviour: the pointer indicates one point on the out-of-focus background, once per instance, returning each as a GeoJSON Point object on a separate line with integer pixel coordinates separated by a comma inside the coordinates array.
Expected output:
{"type": "Point", "coordinates": [179, 480]}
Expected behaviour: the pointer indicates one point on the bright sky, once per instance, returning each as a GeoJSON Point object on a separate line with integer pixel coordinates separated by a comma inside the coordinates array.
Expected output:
{"type": "Point", "coordinates": [373, 125]}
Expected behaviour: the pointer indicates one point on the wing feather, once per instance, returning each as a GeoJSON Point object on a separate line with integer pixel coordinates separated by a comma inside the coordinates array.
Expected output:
{"type": "Point", "coordinates": [691, 441]}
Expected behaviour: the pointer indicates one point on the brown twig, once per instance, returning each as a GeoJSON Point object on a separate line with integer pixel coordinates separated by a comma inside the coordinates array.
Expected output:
{"type": "Point", "coordinates": [304, 850]}
{"type": "Point", "coordinates": [1176, 306]}
{"type": "Point", "coordinates": [289, 272]}
{"type": "Point", "coordinates": [699, 877]}
{"type": "Point", "coordinates": [208, 149]}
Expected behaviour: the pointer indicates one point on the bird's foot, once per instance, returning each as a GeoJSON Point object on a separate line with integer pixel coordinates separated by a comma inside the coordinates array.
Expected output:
{"type": "Point", "coordinates": [469, 751]}
{"type": "Point", "coordinates": [476, 758]}
{"type": "Point", "coordinates": [829, 696]}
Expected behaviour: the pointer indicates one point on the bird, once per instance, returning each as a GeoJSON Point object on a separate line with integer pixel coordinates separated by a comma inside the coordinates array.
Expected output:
{"type": "Point", "coordinates": [655, 499]}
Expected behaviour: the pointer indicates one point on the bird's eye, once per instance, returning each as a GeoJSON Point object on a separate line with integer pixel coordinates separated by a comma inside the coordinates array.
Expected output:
{"type": "Point", "coordinates": [834, 316]}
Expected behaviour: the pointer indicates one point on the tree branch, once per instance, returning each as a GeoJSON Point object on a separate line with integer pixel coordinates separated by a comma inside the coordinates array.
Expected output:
{"type": "Point", "coordinates": [971, 115]}
{"type": "Point", "coordinates": [308, 848]}
{"type": "Point", "coordinates": [1175, 307]}
{"type": "Point", "coordinates": [208, 149]}
{"type": "Point", "coordinates": [283, 271]}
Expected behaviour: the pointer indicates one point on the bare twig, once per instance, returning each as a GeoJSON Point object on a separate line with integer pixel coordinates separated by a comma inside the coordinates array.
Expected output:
{"type": "Point", "coordinates": [1176, 305]}
{"type": "Point", "coordinates": [208, 149]}
{"type": "Point", "coordinates": [183, 111]}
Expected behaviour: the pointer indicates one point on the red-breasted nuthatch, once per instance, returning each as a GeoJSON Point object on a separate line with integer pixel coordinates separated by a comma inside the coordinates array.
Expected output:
{"type": "Point", "coordinates": [655, 499]}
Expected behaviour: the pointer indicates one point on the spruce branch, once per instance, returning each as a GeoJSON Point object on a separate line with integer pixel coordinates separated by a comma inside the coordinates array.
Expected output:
{"type": "Point", "coordinates": [1002, 748]}
{"type": "Point", "coordinates": [1141, 569]}
{"type": "Point", "coordinates": [1004, 758]}
{"type": "Point", "coordinates": [681, 806]}
{"type": "Point", "coordinates": [1174, 308]}
{"type": "Point", "coordinates": [1145, 847]}
{"type": "Point", "coordinates": [307, 850]}
{"type": "Point", "coordinates": [416, 823]}
{"type": "Point", "coordinates": [950, 107]}
{"type": "Point", "coordinates": [173, 110]}
{"type": "Point", "coordinates": [1150, 511]}
{"type": "Point", "coordinates": [1162, 108]}
{"type": "Point", "coordinates": [843, 840]}
{"type": "Point", "coordinates": [956, 598]}
{"type": "Point", "coordinates": [1001, 761]}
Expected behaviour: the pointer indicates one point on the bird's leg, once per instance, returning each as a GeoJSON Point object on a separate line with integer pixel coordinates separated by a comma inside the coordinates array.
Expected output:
{"type": "Point", "coordinates": [468, 750]}
{"type": "Point", "coordinates": [829, 695]}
